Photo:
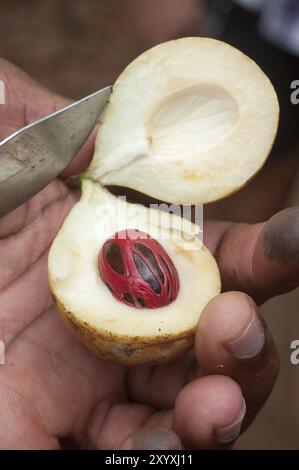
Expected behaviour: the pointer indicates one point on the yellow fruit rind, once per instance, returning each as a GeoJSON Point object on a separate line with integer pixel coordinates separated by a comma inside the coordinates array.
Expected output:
{"type": "Point", "coordinates": [126, 350]}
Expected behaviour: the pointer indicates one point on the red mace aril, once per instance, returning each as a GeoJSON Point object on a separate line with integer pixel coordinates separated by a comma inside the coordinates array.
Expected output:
{"type": "Point", "coordinates": [137, 270]}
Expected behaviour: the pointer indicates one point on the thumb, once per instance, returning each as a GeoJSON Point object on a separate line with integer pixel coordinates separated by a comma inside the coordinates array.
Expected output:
{"type": "Point", "coordinates": [261, 259]}
{"type": "Point", "coordinates": [275, 261]}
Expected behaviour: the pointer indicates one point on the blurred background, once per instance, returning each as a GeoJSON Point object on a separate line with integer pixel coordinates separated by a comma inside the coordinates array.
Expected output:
{"type": "Point", "coordinates": [75, 47]}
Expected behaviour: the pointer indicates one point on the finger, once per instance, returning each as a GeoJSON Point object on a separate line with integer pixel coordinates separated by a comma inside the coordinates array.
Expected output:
{"type": "Point", "coordinates": [82, 159]}
{"type": "Point", "coordinates": [130, 426]}
{"type": "Point", "coordinates": [209, 413]}
{"type": "Point", "coordinates": [232, 339]}
{"type": "Point", "coordinates": [262, 259]}
{"type": "Point", "coordinates": [153, 438]}
{"type": "Point", "coordinates": [159, 386]}
{"type": "Point", "coordinates": [112, 423]}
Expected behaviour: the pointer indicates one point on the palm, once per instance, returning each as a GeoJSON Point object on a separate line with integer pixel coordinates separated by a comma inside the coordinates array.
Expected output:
{"type": "Point", "coordinates": [42, 358]}
{"type": "Point", "coordinates": [52, 387]}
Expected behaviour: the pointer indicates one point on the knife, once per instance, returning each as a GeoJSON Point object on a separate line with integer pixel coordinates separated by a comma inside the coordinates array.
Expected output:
{"type": "Point", "coordinates": [33, 156]}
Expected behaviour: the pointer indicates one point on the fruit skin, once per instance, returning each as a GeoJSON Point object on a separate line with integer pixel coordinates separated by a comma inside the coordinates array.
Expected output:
{"type": "Point", "coordinates": [141, 350]}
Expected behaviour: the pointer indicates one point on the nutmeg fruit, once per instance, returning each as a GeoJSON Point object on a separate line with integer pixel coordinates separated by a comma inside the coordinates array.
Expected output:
{"type": "Point", "coordinates": [189, 121]}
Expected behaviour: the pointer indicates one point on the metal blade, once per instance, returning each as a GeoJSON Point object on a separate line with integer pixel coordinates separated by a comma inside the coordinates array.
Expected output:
{"type": "Point", "coordinates": [33, 156]}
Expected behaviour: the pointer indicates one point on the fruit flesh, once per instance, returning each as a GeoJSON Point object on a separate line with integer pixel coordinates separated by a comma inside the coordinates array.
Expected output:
{"type": "Point", "coordinates": [195, 120]}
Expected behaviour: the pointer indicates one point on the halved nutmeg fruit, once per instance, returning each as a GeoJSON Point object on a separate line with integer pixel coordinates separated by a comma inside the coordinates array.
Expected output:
{"type": "Point", "coordinates": [189, 121]}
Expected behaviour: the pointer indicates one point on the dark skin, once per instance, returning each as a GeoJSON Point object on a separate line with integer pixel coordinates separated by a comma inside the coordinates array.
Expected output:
{"type": "Point", "coordinates": [53, 388]}
{"type": "Point", "coordinates": [281, 245]}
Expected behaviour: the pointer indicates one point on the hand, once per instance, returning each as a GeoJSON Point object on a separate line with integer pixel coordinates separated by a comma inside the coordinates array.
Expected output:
{"type": "Point", "coordinates": [51, 387]}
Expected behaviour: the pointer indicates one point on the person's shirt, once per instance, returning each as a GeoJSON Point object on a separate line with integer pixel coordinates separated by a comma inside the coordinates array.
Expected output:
{"type": "Point", "coordinates": [278, 21]}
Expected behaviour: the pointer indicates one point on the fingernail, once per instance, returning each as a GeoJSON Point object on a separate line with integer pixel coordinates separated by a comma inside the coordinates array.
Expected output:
{"type": "Point", "coordinates": [231, 432]}
{"type": "Point", "coordinates": [153, 438]}
{"type": "Point", "coordinates": [250, 342]}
